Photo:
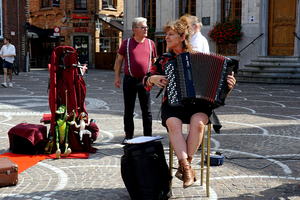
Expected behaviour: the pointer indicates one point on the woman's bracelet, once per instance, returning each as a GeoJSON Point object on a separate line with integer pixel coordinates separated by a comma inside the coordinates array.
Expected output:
{"type": "Point", "coordinates": [150, 81]}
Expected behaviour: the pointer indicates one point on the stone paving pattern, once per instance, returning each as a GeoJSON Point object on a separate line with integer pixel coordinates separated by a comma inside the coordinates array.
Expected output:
{"type": "Point", "coordinates": [259, 137]}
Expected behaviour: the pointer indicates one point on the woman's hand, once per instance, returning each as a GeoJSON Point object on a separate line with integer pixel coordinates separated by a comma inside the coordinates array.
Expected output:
{"type": "Point", "coordinates": [231, 81]}
{"type": "Point", "coordinates": [159, 80]}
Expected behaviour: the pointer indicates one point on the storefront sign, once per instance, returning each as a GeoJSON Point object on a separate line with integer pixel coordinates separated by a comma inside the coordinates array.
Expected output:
{"type": "Point", "coordinates": [81, 30]}
{"type": "Point", "coordinates": [80, 24]}
{"type": "Point", "coordinates": [77, 17]}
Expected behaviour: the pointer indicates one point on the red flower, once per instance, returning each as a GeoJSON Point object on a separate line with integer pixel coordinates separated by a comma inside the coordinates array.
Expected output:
{"type": "Point", "coordinates": [224, 33]}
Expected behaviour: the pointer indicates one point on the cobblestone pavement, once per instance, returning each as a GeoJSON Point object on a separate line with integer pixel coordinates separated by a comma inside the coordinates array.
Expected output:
{"type": "Point", "coordinates": [260, 138]}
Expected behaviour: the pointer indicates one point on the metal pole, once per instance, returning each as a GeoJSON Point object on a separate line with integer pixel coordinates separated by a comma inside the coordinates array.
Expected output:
{"type": "Point", "coordinates": [26, 66]}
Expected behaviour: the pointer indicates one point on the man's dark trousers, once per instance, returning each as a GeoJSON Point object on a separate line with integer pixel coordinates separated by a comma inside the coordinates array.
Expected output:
{"type": "Point", "coordinates": [131, 87]}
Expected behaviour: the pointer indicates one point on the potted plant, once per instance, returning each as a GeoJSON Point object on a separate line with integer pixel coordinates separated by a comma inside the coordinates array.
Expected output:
{"type": "Point", "coordinates": [226, 35]}
{"type": "Point", "coordinates": [151, 34]}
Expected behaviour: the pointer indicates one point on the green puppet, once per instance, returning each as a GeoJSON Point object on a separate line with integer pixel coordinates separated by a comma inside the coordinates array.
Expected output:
{"type": "Point", "coordinates": [62, 130]}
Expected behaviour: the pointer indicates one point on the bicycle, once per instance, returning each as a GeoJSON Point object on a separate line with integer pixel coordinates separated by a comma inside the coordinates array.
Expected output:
{"type": "Point", "coordinates": [15, 68]}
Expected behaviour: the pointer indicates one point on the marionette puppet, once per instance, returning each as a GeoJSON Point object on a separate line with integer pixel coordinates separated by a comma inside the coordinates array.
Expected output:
{"type": "Point", "coordinates": [83, 121]}
{"type": "Point", "coordinates": [62, 130]}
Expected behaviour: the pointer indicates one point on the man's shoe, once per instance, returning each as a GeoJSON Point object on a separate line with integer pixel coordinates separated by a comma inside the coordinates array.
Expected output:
{"type": "Point", "coordinates": [124, 141]}
{"type": "Point", "coordinates": [127, 137]}
{"type": "Point", "coordinates": [4, 85]}
{"type": "Point", "coordinates": [10, 84]}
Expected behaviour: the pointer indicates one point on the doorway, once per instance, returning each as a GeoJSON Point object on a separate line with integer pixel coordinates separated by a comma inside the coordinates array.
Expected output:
{"type": "Point", "coordinates": [82, 48]}
{"type": "Point", "coordinates": [282, 23]}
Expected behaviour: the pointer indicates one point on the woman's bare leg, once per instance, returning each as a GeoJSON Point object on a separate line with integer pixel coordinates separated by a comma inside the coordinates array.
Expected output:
{"type": "Point", "coordinates": [176, 137]}
{"type": "Point", "coordinates": [194, 138]}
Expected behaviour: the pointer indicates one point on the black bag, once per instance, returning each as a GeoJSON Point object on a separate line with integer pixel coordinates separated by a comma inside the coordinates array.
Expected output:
{"type": "Point", "coordinates": [145, 172]}
{"type": "Point", "coordinates": [216, 159]}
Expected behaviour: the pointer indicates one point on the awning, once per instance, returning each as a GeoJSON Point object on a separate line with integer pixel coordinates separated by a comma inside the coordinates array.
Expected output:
{"type": "Point", "coordinates": [36, 32]}
{"type": "Point", "coordinates": [117, 23]}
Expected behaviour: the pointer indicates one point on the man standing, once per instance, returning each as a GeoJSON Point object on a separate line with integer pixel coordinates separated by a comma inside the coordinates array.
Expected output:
{"type": "Point", "coordinates": [7, 53]}
{"type": "Point", "coordinates": [139, 54]}
{"type": "Point", "coordinates": [198, 41]}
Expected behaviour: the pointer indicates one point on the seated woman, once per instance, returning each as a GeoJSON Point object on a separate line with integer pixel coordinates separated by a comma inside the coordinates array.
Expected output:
{"type": "Point", "coordinates": [196, 112]}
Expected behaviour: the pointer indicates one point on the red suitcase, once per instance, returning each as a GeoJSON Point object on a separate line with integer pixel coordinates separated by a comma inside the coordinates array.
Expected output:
{"type": "Point", "coordinates": [8, 172]}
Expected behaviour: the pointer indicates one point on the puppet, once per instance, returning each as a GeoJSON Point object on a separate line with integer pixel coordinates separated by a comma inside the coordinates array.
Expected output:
{"type": "Point", "coordinates": [62, 130]}
{"type": "Point", "coordinates": [83, 121]}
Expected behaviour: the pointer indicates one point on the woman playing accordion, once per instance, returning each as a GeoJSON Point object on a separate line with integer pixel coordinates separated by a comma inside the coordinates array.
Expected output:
{"type": "Point", "coordinates": [196, 112]}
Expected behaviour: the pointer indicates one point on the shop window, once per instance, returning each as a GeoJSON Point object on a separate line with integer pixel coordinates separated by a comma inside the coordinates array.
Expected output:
{"type": "Point", "coordinates": [187, 7]}
{"type": "Point", "coordinates": [149, 12]}
{"type": "Point", "coordinates": [231, 10]}
{"type": "Point", "coordinates": [109, 44]}
{"type": "Point", "coordinates": [49, 45]}
{"type": "Point", "coordinates": [80, 4]}
{"type": "Point", "coordinates": [46, 3]}
{"type": "Point", "coordinates": [82, 47]}
{"type": "Point", "coordinates": [109, 4]}
{"type": "Point", "coordinates": [109, 38]}
{"type": "Point", "coordinates": [105, 44]}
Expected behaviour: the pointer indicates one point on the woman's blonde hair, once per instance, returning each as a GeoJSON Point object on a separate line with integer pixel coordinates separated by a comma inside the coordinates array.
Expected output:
{"type": "Point", "coordinates": [195, 21]}
{"type": "Point", "coordinates": [181, 26]}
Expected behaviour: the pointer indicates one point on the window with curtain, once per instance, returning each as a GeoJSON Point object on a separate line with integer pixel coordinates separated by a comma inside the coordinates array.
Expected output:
{"type": "Point", "coordinates": [187, 7]}
{"type": "Point", "coordinates": [231, 10]}
{"type": "Point", "coordinates": [80, 4]}
{"type": "Point", "coordinates": [149, 12]}
{"type": "Point", "coordinates": [109, 4]}
{"type": "Point", "coordinates": [46, 3]}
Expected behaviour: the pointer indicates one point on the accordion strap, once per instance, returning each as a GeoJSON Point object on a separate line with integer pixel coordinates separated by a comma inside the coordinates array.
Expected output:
{"type": "Point", "coordinates": [128, 60]}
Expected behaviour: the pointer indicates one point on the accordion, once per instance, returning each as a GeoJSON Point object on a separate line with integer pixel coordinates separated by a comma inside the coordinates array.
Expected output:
{"type": "Point", "coordinates": [198, 75]}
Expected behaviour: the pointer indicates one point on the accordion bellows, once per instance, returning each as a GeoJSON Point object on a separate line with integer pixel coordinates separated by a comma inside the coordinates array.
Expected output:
{"type": "Point", "coordinates": [198, 75]}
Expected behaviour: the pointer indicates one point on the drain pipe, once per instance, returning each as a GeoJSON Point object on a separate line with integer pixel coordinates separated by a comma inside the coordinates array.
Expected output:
{"type": "Point", "coordinates": [19, 42]}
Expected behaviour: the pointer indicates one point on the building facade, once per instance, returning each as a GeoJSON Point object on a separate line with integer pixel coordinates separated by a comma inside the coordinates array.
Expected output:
{"type": "Point", "coordinates": [13, 16]}
{"type": "Point", "coordinates": [82, 24]}
{"type": "Point", "coordinates": [271, 29]}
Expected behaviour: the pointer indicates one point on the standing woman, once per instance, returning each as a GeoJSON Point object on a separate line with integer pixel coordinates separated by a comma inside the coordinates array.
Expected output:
{"type": "Point", "coordinates": [7, 53]}
{"type": "Point", "coordinates": [196, 112]}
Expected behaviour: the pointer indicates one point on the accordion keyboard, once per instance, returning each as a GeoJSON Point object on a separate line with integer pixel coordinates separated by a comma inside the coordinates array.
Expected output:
{"type": "Point", "coordinates": [173, 88]}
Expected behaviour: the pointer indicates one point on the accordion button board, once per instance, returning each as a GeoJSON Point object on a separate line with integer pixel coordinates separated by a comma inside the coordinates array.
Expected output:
{"type": "Point", "coordinates": [172, 88]}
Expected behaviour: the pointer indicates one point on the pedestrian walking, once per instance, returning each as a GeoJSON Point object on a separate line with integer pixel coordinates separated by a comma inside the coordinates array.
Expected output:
{"type": "Point", "coordinates": [7, 53]}
{"type": "Point", "coordinates": [139, 54]}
